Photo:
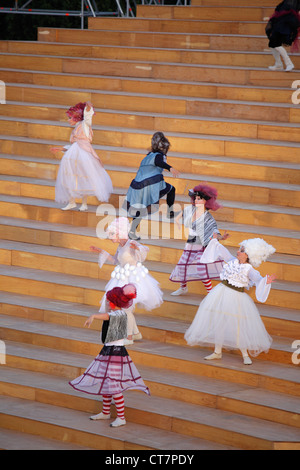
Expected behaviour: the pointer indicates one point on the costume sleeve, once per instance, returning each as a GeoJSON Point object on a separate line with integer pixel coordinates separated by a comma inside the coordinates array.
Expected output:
{"type": "Point", "coordinates": [159, 161]}
{"type": "Point", "coordinates": [88, 115]}
{"type": "Point", "coordinates": [105, 257]}
{"type": "Point", "coordinates": [215, 251]}
{"type": "Point", "coordinates": [141, 252]}
{"type": "Point", "coordinates": [87, 121]}
{"type": "Point", "coordinates": [262, 288]}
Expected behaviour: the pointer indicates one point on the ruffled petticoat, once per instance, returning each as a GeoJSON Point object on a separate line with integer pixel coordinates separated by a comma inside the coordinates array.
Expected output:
{"type": "Point", "coordinates": [190, 268]}
{"type": "Point", "coordinates": [230, 319]}
{"type": "Point", "coordinates": [81, 174]}
{"type": "Point", "coordinates": [149, 295]}
{"type": "Point", "coordinates": [111, 372]}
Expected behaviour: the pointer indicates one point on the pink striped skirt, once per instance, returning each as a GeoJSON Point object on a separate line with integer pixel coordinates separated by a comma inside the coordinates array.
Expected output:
{"type": "Point", "coordinates": [110, 373]}
{"type": "Point", "coordinates": [190, 268]}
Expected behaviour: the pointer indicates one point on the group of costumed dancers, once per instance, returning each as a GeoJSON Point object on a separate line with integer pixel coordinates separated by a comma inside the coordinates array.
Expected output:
{"type": "Point", "coordinates": [227, 317]}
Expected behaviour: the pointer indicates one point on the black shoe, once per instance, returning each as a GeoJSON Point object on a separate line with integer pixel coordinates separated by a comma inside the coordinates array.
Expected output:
{"type": "Point", "coordinates": [133, 236]}
{"type": "Point", "coordinates": [170, 214]}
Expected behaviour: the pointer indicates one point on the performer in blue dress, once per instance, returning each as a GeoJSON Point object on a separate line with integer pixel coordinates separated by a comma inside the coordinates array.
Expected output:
{"type": "Point", "coordinates": [149, 186]}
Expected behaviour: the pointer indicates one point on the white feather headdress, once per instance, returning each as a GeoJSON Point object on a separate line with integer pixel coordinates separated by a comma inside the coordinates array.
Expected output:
{"type": "Point", "coordinates": [257, 250]}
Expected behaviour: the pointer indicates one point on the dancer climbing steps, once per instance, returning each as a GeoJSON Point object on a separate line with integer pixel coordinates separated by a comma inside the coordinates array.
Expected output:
{"type": "Point", "coordinates": [81, 173]}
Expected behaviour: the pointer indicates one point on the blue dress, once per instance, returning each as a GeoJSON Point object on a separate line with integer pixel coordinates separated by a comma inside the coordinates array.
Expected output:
{"type": "Point", "coordinates": [148, 187]}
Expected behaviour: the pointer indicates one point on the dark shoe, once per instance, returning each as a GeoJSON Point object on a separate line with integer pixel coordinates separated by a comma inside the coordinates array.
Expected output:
{"type": "Point", "coordinates": [133, 236]}
{"type": "Point", "coordinates": [170, 214]}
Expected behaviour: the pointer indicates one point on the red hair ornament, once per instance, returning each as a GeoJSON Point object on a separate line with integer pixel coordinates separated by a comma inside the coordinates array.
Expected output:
{"type": "Point", "coordinates": [121, 297]}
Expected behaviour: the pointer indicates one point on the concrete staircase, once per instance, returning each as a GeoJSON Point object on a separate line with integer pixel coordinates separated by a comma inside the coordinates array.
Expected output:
{"type": "Point", "coordinates": [200, 75]}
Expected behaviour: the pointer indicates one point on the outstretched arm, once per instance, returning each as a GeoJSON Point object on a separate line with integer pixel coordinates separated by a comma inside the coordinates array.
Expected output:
{"type": "Point", "coordinates": [98, 316]}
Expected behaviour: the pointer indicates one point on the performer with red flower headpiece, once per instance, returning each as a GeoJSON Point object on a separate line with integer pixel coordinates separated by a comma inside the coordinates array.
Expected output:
{"type": "Point", "coordinates": [81, 172]}
{"type": "Point", "coordinates": [112, 372]}
{"type": "Point", "coordinates": [202, 227]}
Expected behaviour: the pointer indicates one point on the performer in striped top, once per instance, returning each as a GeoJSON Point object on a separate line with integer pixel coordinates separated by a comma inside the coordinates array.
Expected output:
{"type": "Point", "coordinates": [202, 226]}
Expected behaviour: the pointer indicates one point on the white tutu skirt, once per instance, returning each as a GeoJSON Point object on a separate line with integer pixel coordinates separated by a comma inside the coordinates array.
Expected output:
{"type": "Point", "coordinates": [230, 319]}
{"type": "Point", "coordinates": [81, 174]}
{"type": "Point", "coordinates": [149, 295]}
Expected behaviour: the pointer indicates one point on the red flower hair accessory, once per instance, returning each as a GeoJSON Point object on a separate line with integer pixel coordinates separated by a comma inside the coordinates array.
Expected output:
{"type": "Point", "coordinates": [76, 112]}
{"type": "Point", "coordinates": [121, 297]}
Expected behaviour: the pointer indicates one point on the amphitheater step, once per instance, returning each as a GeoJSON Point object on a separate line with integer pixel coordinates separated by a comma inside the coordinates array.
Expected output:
{"type": "Point", "coordinates": [203, 26]}
{"type": "Point", "coordinates": [161, 361]}
{"type": "Point", "coordinates": [43, 210]}
{"type": "Point", "coordinates": [164, 414]}
{"type": "Point", "coordinates": [255, 168]}
{"type": "Point", "coordinates": [274, 121]}
{"type": "Point", "coordinates": [58, 54]}
{"type": "Point", "coordinates": [247, 72]}
{"type": "Point", "coordinates": [43, 168]}
{"type": "Point", "coordinates": [86, 290]}
{"type": "Point", "coordinates": [18, 440]}
{"type": "Point", "coordinates": [59, 132]}
{"type": "Point", "coordinates": [232, 211]}
{"type": "Point", "coordinates": [168, 323]}
{"type": "Point", "coordinates": [75, 427]}
{"type": "Point", "coordinates": [179, 40]}
{"type": "Point", "coordinates": [169, 87]}
{"type": "Point", "coordinates": [224, 13]}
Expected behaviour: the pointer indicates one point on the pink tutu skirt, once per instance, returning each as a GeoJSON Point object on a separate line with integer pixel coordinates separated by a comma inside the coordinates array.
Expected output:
{"type": "Point", "coordinates": [81, 174]}
{"type": "Point", "coordinates": [111, 372]}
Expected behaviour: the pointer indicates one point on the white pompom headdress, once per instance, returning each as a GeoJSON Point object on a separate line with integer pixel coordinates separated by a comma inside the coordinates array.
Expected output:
{"type": "Point", "coordinates": [120, 226]}
{"type": "Point", "coordinates": [257, 250]}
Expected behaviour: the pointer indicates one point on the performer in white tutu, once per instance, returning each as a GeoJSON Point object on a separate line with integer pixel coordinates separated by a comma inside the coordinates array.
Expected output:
{"type": "Point", "coordinates": [129, 258]}
{"type": "Point", "coordinates": [228, 317]}
{"type": "Point", "coordinates": [202, 227]}
{"type": "Point", "coordinates": [112, 372]}
{"type": "Point", "coordinates": [81, 172]}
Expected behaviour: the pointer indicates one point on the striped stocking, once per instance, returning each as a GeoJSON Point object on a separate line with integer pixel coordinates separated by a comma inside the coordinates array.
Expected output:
{"type": "Point", "coordinates": [106, 404]}
{"type": "Point", "coordinates": [119, 402]}
{"type": "Point", "coordinates": [208, 284]}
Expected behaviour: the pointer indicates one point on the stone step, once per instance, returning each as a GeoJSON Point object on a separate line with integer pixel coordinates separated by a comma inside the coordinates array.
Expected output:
{"type": "Point", "coordinates": [178, 40]}
{"type": "Point", "coordinates": [35, 153]}
{"type": "Point", "coordinates": [211, 12]}
{"type": "Point", "coordinates": [161, 361]}
{"type": "Point", "coordinates": [162, 413]}
{"type": "Point", "coordinates": [171, 87]}
{"type": "Point", "coordinates": [166, 324]}
{"type": "Point", "coordinates": [17, 440]}
{"type": "Point", "coordinates": [240, 71]}
{"type": "Point", "coordinates": [38, 53]}
{"type": "Point", "coordinates": [43, 211]}
{"type": "Point", "coordinates": [252, 400]}
{"type": "Point", "coordinates": [260, 193]}
{"type": "Point", "coordinates": [251, 119]}
{"type": "Point", "coordinates": [285, 267]}
{"type": "Point", "coordinates": [73, 288]}
{"type": "Point", "coordinates": [58, 132]}
{"type": "Point", "coordinates": [231, 211]}
{"type": "Point", "coordinates": [76, 427]}
{"type": "Point", "coordinates": [213, 26]}
{"type": "Point", "coordinates": [239, 168]}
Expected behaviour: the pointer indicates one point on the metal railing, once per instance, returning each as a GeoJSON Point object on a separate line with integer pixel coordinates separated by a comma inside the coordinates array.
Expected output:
{"type": "Point", "coordinates": [88, 8]}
